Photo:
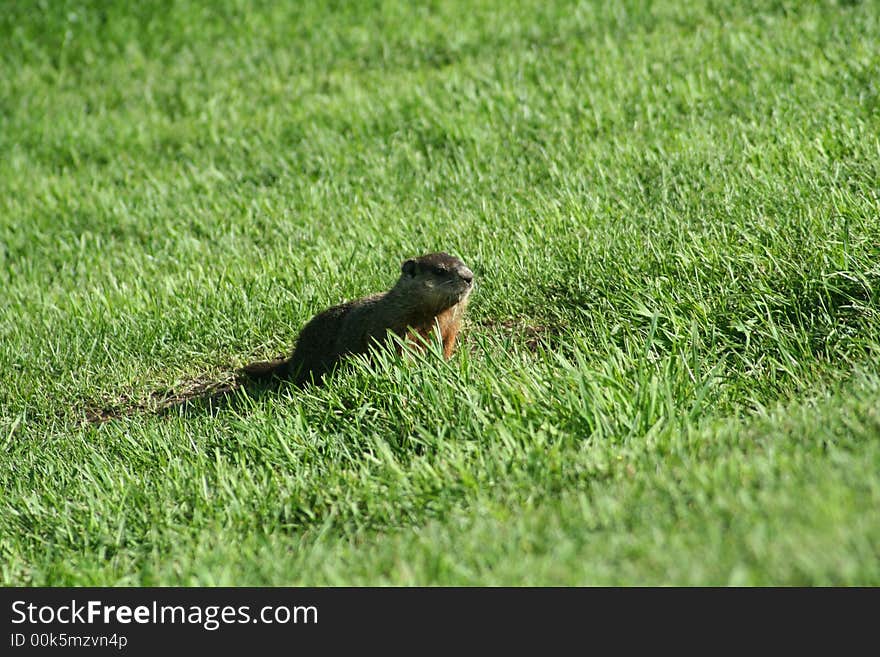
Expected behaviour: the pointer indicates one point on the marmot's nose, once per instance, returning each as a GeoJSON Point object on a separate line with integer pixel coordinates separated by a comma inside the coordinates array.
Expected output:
{"type": "Point", "coordinates": [466, 274]}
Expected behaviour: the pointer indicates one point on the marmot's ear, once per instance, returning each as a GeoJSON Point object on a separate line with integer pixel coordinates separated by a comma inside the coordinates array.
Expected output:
{"type": "Point", "coordinates": [409, 267]}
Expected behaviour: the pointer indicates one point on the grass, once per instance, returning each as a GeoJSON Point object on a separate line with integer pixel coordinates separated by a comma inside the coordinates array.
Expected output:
{"type": "Point", "coordinates": [669, 370]}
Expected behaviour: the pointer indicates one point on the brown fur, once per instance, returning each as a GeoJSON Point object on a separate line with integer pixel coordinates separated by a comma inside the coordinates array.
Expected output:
{"type": "Point", "coordinates": [430, 295]}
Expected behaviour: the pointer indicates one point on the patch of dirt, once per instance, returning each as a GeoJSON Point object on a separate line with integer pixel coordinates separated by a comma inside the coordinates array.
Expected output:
{"type": "Point", "coordinates": [532, 336]}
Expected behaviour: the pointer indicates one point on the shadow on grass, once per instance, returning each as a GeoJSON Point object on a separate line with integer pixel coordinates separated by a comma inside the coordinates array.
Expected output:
{"type": "Point", "coordinates": [235, 391]}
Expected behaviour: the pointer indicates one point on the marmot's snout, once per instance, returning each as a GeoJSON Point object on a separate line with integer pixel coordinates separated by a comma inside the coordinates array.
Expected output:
{"type": "Point", "coordinates": [464, 284]}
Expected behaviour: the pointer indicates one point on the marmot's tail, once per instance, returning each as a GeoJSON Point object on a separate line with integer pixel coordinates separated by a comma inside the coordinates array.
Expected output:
{"type": "Point", "coordinates": [263, 370]}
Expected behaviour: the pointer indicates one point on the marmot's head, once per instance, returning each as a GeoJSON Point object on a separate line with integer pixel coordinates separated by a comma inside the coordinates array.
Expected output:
{"type": "Point", "coordinates": [443, 279]}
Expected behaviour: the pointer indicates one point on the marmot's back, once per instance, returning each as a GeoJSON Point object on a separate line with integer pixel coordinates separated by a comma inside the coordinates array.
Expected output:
{"type": "Point", "coordinates": [430, 295]}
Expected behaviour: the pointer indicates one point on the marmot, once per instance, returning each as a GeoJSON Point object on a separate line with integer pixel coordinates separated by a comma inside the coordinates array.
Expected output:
{"type": "Point", "coordinates": [430, 295]}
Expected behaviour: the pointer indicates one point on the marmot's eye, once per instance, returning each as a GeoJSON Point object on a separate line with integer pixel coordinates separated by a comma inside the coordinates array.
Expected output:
{"type": "Point", "coordinates": [439, 271]}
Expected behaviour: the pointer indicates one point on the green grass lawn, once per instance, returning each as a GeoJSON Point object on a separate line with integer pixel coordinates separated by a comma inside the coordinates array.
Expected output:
{"type": "Point", "coordinates": [669, 370]}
